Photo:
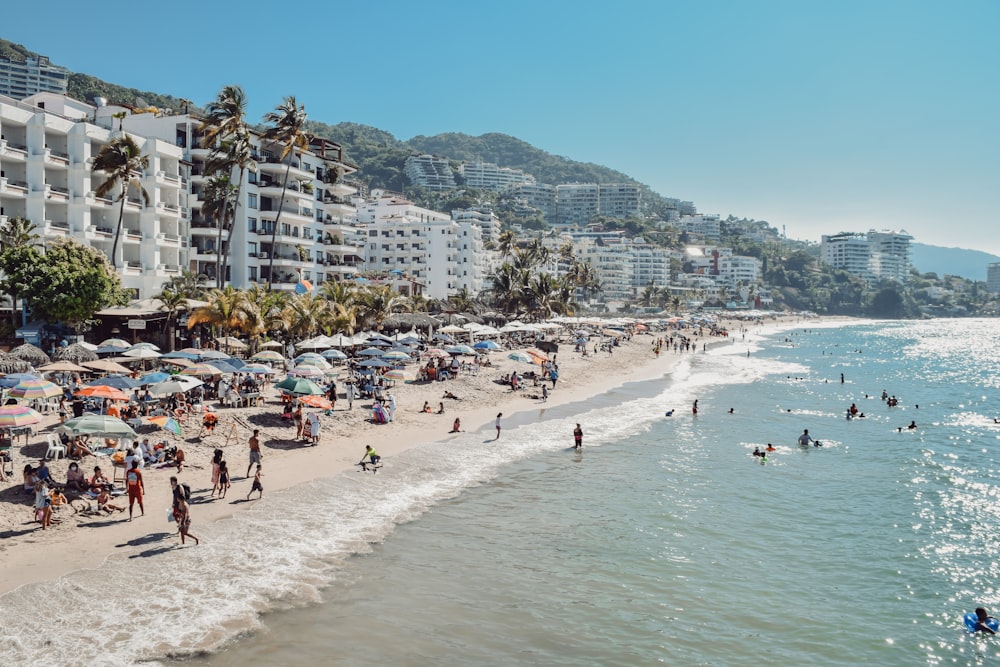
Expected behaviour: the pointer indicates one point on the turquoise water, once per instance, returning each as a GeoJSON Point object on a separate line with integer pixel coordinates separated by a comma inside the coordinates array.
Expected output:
{"type": "Point", "coordinates": [663, 541]}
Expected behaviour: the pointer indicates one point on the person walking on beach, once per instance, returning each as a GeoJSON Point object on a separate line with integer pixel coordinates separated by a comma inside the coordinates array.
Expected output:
{"type": "Point", "coordinates": [578, 437]}
{"type": "Point", "coordinates": [392, 407]}
{"type": "Point", "coordinates": [133, 483]}
{"type": "Point", "coordinates": [182, 512]}
{"type": "Point", "coordinates": [257, 486]}
{"type": "Point", "coordinates": [255, 456]}
{"type": "Point", "coordinates": [499, 415]}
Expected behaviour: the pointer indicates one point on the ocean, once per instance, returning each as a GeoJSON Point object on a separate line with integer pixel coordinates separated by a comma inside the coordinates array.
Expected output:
{"type": "Point", "coordinates": [664, 541]}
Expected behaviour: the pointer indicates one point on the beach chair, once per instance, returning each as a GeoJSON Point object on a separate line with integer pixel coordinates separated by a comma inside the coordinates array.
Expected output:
{"type": "Point", "coordinates": [56, 449]}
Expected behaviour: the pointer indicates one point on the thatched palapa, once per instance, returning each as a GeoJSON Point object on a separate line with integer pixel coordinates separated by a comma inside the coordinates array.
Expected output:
{"type": "Point", "coordinates": [30, 353]}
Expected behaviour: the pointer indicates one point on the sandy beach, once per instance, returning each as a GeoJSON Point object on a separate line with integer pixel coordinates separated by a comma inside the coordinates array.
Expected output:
{"type": "Point", "coordinates": [32, 555]}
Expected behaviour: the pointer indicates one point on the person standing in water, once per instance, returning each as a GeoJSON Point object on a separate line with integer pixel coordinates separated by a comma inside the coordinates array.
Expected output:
{"type": "Point", "coordinates": [578, 437]}
{"type": "Point", "coordinates": [805, 439]}
{"type": "Point", "coordinates": [499, 415]}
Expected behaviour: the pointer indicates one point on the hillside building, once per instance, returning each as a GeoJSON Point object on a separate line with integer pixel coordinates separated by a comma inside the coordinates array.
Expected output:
{"type": "Point", "coordinates": [488, 176]}
{"type": "Point", "coordinates": [872, 256]}
{"type": "Point", "coordinates": [429, 171]}
{"type": "Point", "coordinates": [22, 78]}
{"type": "Point", "coordinates": [578, 203]}
{"type": "Point", "coordinates": [487, 221]}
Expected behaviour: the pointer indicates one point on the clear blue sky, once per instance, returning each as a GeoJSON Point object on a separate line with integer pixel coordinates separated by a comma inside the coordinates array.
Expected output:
{"type": "Point", "coordinates": [817, 116]}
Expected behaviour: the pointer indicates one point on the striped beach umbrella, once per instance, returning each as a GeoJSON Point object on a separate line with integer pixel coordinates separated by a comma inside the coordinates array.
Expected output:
{"type": "Point", "coordinates": [201, 371]}
{"type": "Point", "coordinates": [268, 355]}
{"type": "Point", "coordinates": [15, 416]}
{"type": "Point", "coordinates": [166, 423]}
{"type": "Point", "coordinates": [35, 389]}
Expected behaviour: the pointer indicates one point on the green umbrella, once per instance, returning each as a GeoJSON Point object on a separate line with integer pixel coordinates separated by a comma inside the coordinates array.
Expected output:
{"type": "Point", "coordinates": [300, 386]}
{"type": "Point", "coordinates": [100, 426]}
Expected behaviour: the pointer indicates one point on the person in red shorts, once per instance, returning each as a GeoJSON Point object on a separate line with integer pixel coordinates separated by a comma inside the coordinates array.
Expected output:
{"type": "Point", "coordinates": [133, 483]}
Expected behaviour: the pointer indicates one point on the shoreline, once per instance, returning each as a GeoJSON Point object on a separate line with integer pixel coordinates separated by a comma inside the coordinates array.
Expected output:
{"type": "Point", "coordinates": [28, 551]}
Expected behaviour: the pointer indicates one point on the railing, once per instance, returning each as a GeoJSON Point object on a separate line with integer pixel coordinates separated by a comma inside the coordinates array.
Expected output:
{"type": "Point", "coordinates": [58, 189]}
{"type": "Point", "coordinates": [20, 185]}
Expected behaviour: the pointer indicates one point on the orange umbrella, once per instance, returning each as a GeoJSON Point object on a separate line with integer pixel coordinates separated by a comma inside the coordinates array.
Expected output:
{"type": "Point", "coordinates": [103, 391]}
{"type": "Point", "coordinates": [537, 357]}
{"type": "Point", "coordinates": [320, 402]}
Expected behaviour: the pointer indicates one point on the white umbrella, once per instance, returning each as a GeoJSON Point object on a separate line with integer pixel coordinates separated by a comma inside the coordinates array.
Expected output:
{"type": "Point", "coordinates": [141, 353]}
{"type": "Point", "coordinates": [178, 384]}
{"type": "Point", "coordinates": [271, 343]}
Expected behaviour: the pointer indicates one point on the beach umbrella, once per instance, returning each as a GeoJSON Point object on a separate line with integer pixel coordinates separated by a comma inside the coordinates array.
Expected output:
{"type": "Point", "coordinates": [116, 381]}
{"type": "Point", "coordinates": [167, 423]}
{"type": "Point", "coordinates": [375, 363]}
{"type": "Point", "coordinates": [459, 349]}
{"type": "Point", "coordinates": [212, 354]}
{"type": "Point", "coordinates": [102, 391]}
{"type": "Point", "coordinates": [520, 356]}
{"type": "Point", "coordinates": [35, 389]}
{"type": "Point", "coordinates": [333, 354]}
{"type": "Point", "coordinates": [100, 426]}
{"type": "Point", "coordinates": [141, 353]}
{"type": "Point", "coordinates": [436, 352]}
{"type": "Point", "coordinates": [16, 416]}
{"type": "Point", "coordinates": [115, 342]}
{"type": "Point", "coordinates": [14, 379]}
{"type": "Point", "coordinates": [75, 353]}
{"type": "Point", "coordinates": [179, 355]}
{"type": "Point", "coordinates": [177, 384]}
{"type": "Point", "coordinates": [9, 364]}
{"type": "Point", "coordinates": [371, 352]}
{"type": "Point", "coordinates": [271, 343]}
{"type": "Point", "coordinates": [146, 346]}
{"type": "Point", "coordinates": [257, 369]}
{"type": "Point", "coordinates": [450, 329]}
{"type": "Point", "coordinates": [268, 355]}
{"type": "Point", "coordinates": [379, 342]}
{"type": "Point", "coordinates": [28, 352]}
{"type": "Point", "coordinates": [537, 357]}
{"type": "Point", "coordinates": [306, 372]}
{"type": "Point", "coordinates": [486, 345]}
{"type": "Point", "coordinates": [316, 401]}
{"type": "Point", "coordinates": [231, 342]}
{"type": "Point", "coordinates": [224, 365]}
{"type": "Point", "coordinates": [202, 371]}
{"type": "Point", "coordinates": [396, 355]}
{"type": "Point", "coordinates": [153, 378]}
{"type": "Point", "coordinates": [310, 356]}
{"type": "Point", "coordinates": [107, 366]}
{"type": "Point", "coordinates": [444, 338]}
{"type": "Point", "coordinates": [321, 364]}
{"type": "Point", "coordinates": [300, 386]}
{"type": "Point", "coordinates": [62, 367]}
{"type": "Point", "coordinates": [183, 363]}
{"type": "Point", "coordinates": [395, 374]}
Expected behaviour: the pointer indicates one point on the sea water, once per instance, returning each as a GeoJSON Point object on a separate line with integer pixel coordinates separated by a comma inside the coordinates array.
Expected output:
{"type": "Point", "coordinates": [662, 541]}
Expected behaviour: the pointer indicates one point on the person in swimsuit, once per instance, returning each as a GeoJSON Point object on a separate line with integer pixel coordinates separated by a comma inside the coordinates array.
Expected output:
{"type": "Point", "coordinates": [578, 437]}
{"type": "Point", "coordinates": [133, 482]}
{"type": "Point", "coordinates": [981, 618]}
{"type": "Point", "coordinates": [805, 438]}
{"type": "Point", "coordinates": [257, 486]}
{"type": "Point", "coordinates": [182, 512]}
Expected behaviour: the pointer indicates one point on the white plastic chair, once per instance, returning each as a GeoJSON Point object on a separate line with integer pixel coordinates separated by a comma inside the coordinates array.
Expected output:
{"type": "Point", "coordinates": [56, 448]}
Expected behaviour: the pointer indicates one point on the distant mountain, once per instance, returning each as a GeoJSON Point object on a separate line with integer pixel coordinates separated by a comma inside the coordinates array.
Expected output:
{"type": "Point", "coordinates": [970, 264]}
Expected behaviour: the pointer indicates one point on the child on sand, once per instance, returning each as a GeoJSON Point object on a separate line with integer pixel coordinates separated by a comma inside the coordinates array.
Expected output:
{"type": "Point", "coordinates": [257, 486]}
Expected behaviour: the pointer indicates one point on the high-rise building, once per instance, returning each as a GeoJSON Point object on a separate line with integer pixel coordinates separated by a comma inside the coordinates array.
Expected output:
{"type": "Point", "coordinates": [21, 78]}
{"type": "Point", "coordinates": [48, 143]}
{"type": "Point", "coordinates": [993, 277]}
{"type": "Point", "coordinates": [873, 256]}
{"type": "Point", "coordinates": [488, 176]}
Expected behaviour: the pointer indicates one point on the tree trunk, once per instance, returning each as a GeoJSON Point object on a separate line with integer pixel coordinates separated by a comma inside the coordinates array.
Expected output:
{"type": "Point", "coordinates": [229, 243]}
{"type": "Point", "coordinates": [118, 231]}
{"type": "Point", "coordinates": [277, 218]}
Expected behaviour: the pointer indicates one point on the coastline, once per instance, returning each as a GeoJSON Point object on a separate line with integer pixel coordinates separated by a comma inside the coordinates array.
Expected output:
{"type": "Point", "coordinates": [28, 552]}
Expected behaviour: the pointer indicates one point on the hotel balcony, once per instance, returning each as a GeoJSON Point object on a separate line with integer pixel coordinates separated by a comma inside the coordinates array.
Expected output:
{"type": "Point", "coordinates": [272, 165]}
{"type": "Point", "coordinates": [167, 270]}
{"type": "Point", "coordinates": [56, 158]}
{"type": "Point", "coordinates": [15, 188]}
{"type": "Point", "coordinates": [56, 192]}
{"type": "Point", "coordinates": [175, 180]}
{"type": "Point", "coordinates": [53, 228]}
{"type": "Point", "coordinates": [132, 269]}
{"type": "Point", "coordinates": [170, 240]}
{"type": "Point", "coordinates": [171, 210]}
{"type": "Point", "coordinates": [332, 207]}
{"type": "Point", "coordinates": [288, 215]}
{"type": "Point", "coordinates": [131, 235]}
{"type": "Point", "coordinates": [13, 151]}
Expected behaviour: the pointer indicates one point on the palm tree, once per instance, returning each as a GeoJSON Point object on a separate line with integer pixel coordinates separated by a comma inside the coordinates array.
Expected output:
{"type": "Point", "coordinates": [375, 304]}
{"type": "Point", "coordinates": [124, 163]}
{"type": "Point", "coordinates": [188, 283]}
{"type": "Point", "coordinates": [172, 302]}
{"type": "Point", "coordinates": [17, 232]}
{"type": "Point", "coordinates": [216, 205]}
{"type": "Point", "coordinates": [225, 132]}
{"type": "Point", "coordinates": [338, 292]}
{"type": "Point", "coordinates": [223, 310]}
{"type": "Point", "coordinates": [506, 242]}
{"type": "Point", "coordinates": [263, 311]}
{"type": "Point", "coordinates": [287, 128]}
{"type": "Point", "coordinates": [306, 314]}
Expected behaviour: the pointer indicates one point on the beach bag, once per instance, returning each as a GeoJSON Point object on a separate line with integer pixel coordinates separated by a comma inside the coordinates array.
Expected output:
{"type": "Point", "coordinates": [186, 490]}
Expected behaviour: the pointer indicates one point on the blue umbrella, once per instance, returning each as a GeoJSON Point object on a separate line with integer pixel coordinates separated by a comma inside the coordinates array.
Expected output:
{"type": "Point", "coordinates": [108, 349]}
{"type": "Point", "coordinates": [223, 365]}
{"type": "Point", "coordinates": [444, 338]}
{"type": "Point", "coordinates": [153, 378]}
{"type": "Point", "coordinates": [116, 381]}
{"type": "Point", "coordinates": [179, 355]}
{"type": "Point", "coordinates": [459, 349]}
{"type": "Point", "coordinates": [371, 352]}
{"type": "Point", "coordinates": [486, 345]}
{"type": "Point", "coordinates": [14, 379]}
{"type": "Point", "coordinates": [375, 363]}
{"type": "Point", "coordinates": [379, 342]}
{"type": "Point", "coordinates": [333, 354]}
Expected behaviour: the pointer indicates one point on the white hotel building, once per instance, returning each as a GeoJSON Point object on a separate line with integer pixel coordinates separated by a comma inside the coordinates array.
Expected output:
{"type": "Point", "coordinates": [873, 256]}
{"type": "Point", "coordinates": [48, 144]}
{"type": "Point", "coordinates": [424, 246]}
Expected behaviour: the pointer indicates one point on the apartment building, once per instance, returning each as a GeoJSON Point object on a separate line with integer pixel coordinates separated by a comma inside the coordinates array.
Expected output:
{"type": "Point", "coordinates": [577, 203]}
{"type": "Point", "coordinates": [487, 221]}
{"type": "Point", "coordinates": [313, 236]}
{"type": "Point", "coordinates": [427, 246]}
{"type": "Point", "coordinates": [618, 201]}
{"type": "Point", "coordinates": [993, 277]}
{"type": "Point", "coordinates": [22, 78]}
{"type": "Point", "coordinates": [708, 226]}
{"type": "Point", "coordinates": [538, 196]}
{"type": "Point", "coordinates": [48, 143]}
{"type": "Point", "coordinates": [488, 176]}
{"type": "Point", "coordinates": [873, 256]}
{"type": "Point", "coordinates": [429, 171]}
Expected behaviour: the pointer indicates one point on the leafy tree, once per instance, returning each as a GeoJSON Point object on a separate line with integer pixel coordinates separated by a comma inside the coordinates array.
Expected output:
{"type": "Point", "coordinates": [69, 282]}
{"type": "Point", "coordinates": [124, 164]}
{"type": "Point", "coordinates": [887, 302]}
{"type": "Point", "coordinates": [17, 234]}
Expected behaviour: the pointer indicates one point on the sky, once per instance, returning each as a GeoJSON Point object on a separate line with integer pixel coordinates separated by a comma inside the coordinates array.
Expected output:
{"type": "Point", "coordinates": [818, 117]}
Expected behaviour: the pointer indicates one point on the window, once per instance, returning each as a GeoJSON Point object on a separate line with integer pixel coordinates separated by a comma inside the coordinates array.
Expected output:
{"type": "Point", "coordinates": [251, 201]}
{"type": "Point", "coordinates": [252, 224]}
{"type": "Point", "coordinates": [252, 248]}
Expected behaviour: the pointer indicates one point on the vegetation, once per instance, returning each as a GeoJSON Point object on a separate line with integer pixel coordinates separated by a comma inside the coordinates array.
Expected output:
{"type": "Point", "coordinates": [124, 164]}
{"type": "Point", "coordinates": [286, 129]}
